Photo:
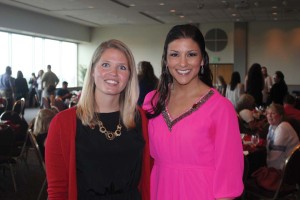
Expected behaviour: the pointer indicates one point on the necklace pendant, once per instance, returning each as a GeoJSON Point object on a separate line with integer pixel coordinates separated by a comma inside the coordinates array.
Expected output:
{"type": "Point", "coordinates": [110, 135]}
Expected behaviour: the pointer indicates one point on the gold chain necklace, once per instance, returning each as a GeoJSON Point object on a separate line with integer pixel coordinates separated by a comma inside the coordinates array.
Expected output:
{"type": "Point", "coordinates": [109, 134]}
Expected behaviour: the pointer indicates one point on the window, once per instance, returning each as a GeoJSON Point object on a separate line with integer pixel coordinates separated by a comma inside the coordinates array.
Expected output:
{"type": "Point", "coordinates": [30, 54]}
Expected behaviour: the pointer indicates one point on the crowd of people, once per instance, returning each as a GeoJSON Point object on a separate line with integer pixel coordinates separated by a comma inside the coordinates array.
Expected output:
{"type": "Point", "coordinates": [37, 91]}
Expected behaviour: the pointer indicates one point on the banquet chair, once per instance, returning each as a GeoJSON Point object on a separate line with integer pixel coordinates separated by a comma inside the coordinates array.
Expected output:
{"type": "Point", "coordinates": [289, 183]}
{"type": "Point", "coordinates": [7, 139]}
{"type": "Point", "coordinates": [19, 127]}
{"type": "Point", "coordinates": [59, 104]}
{"type": "Point", "coordinates": [40, 159]}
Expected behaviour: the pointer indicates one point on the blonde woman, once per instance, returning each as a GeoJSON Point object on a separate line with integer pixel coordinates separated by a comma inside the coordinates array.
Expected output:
{"type": "Point", "coordinates": [41, 126]}
{"type": "Point", "coordinates": [99, 149]}
{"type": "Point", "coordinates": [281, 138]}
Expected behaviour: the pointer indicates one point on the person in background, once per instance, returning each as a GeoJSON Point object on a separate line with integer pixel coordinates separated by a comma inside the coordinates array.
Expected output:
{"type": "Point", "coordinates": [268, 84]}
{"type": "Point", "coordinates": [7, 87]}
{"type": "Point", "coordinates": [278, 90]}
{"type": "Point", "coordinates": [41, 126]}
{"type": "Point", "coordinates": [49, 78]}
{"type": "Point", "coordinates": [251, 121]}
{"type": "Point", "coordinates": [40, 86]}
{"type": "Point", "coordinates": [234, 89]}
{"type": "Point", "coordinates": [281, 138]}
{"type": "Point", "coordinates": [221, 85]}
{"type": "Point", "coordinates": [21, 86]}
{"type": "Point", "coordinates": [289, 102]}
{"type": "Point", "coordinates": [99, 149]}
{"type": "Point", "coordinates": [33, 95]}
{"type": "Point", "coordinates": [254, 83]}
{"type": "Point", "coordinates": [63, 93]}
{"type": "Point", "coordinates": [51, 94]}
{"type": "Point", "coordinates": [147, 79]}
{"type": "Point", "coordinates": [193, 130]}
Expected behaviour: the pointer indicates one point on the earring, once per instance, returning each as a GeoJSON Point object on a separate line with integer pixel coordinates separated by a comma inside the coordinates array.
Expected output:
{"type": "Point", "coordinates": [202, 70]}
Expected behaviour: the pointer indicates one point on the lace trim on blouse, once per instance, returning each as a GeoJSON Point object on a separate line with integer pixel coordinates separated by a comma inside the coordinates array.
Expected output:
{"type": "Point", "coordinates": [196, 106]}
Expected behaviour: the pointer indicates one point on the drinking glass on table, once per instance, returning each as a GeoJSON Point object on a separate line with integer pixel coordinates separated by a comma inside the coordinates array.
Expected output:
{"type": "Point", "coordinates": [255, 139]}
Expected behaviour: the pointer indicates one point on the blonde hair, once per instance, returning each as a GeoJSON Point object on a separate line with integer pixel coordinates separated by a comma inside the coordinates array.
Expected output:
{"type": "Point", "coordinates": [246, 101]}
{"type": "Point", "coordinates": [128, 97]}
{"type": "Point", "coordinates": [278, 108]}
{"type": "Point", "coordinates": [42, 121]}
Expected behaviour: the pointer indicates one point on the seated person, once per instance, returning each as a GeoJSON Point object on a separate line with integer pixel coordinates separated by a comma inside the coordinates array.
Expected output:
{"type": "Point", "coordinates": [250, 120]}
{"type": "Point", "coordinates": [50, 99]}
{"type": "Point", "coordinates": [41, 125]}
{"type": "Point", "coordinates": [289, 102]}
{"type": "Point", "coordinates": [63, 92]}
{"type": "Point", "coordinates": [281, 138]}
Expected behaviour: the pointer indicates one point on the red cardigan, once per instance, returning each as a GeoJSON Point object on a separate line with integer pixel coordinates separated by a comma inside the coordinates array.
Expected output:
{"type": "Point", "coordinates": [60, 157]}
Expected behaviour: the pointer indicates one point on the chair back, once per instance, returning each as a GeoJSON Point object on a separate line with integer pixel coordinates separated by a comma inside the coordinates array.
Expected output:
{"type": "Point", "coordinates": [291, 171]}
{"type": "Point", "coordinates": [36, 147]}
{"type": "Point", "coordinates": [59, 104]}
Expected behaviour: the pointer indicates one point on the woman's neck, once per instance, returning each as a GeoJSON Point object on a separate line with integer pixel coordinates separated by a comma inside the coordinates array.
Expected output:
{"type": "Point", "coordinates": [106, 104]}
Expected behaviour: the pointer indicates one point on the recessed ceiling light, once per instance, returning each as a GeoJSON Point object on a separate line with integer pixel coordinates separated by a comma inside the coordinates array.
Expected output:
{"type": "Point", "coordinates": [181, 16]}
{"type": "Point", "coordinates": [90, 7]}
{"type": "Point", "coordinates": [233, 14]}
{"type": "Point", "coordinates": [274, 7]}
{"type": "Point", "coordinates": [274, 13]}
{"type": "Point", "coordinates": [132, 5]}
{"type": "Point", "coordinates": [172, 11]}
{"type": "Point", "coordinates": [161, 4]}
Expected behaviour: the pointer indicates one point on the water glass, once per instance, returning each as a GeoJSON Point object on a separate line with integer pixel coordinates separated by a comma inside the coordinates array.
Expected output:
{"type": "Point", "coordinates": [255, 139]}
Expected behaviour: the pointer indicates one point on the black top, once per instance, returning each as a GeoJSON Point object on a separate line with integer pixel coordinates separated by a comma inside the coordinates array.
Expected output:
{"type": "Point", "coordinates": [108, 169]}
{"type": "Point", "coordinates": [145, 86]}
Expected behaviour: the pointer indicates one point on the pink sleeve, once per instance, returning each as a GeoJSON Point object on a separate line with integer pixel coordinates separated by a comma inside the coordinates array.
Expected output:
{"type": "Point", "coordinates": [147, 105]}
{"type": "Point", "coordinates": [229, 160]}
{"type": "Point", "coordinates": [55, 164]}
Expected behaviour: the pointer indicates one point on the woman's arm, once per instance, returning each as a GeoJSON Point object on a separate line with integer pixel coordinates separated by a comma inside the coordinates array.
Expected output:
{"type": "Point", "coordinates": [55, 163]}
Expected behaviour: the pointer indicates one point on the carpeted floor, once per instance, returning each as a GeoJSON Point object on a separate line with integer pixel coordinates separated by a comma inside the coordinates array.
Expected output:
{"type": "Point", "coordinates": [29, 176]}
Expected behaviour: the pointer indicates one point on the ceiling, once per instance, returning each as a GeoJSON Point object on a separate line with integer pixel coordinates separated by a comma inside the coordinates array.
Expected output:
{"type": "Point", "coordinates": [97, 13]}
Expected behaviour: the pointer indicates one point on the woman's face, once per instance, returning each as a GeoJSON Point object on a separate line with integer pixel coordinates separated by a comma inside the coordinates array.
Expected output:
{"type": "Point", "coordinates": [276, 80]}
{"type": "Point", "coordinates": [111, 72]}
{"type": "Point", "coordinates": [273, 117]}
{"type": "Point", "coordinates": [184, 59]}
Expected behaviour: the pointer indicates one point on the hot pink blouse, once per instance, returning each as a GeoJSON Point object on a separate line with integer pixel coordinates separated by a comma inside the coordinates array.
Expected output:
{"type": "Point", "coordinates": [197, 155]}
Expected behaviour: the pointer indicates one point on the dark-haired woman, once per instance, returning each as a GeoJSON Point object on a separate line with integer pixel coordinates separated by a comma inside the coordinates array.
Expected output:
{"type": "Point", "coordinates": [193, 130]}
{"type": "Point", "coordinates": [147, 80]}
{"type": "Point", "coordinates": [234, 89]}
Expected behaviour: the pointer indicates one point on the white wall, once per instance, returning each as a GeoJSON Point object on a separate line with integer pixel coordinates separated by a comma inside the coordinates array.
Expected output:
{"type": "Point", "coordinates": [146, 42]}
{"type": "Point", "coordinates": [277, 46]}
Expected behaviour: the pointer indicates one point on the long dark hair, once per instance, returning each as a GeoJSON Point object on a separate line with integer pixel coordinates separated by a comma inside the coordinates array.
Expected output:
{"type": "Point", "coordinates": [146, 72]}
{"type": "Point", "coordinates": [235, 80]}
{"type": "Point", "coordinates": [162, 93]}
{"type": "Point", "coordinates": [255, 79]}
